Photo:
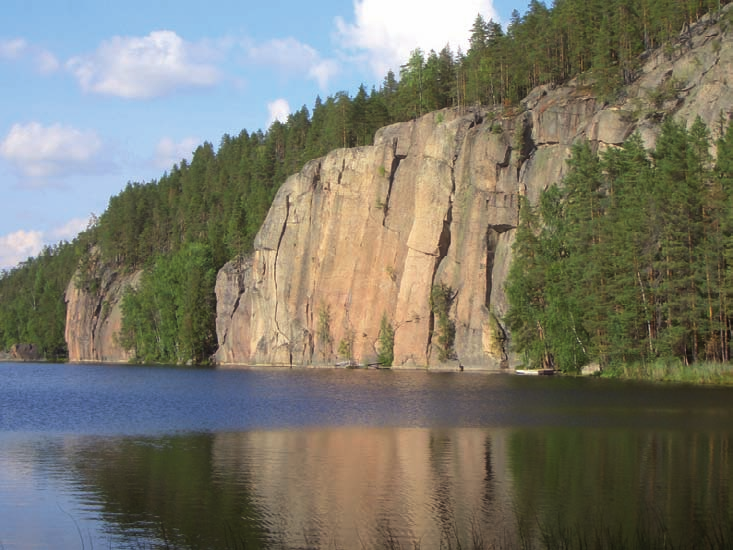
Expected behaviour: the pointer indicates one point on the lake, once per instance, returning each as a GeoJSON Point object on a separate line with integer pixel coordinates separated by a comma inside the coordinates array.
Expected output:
{"type": "Point", "coordinates": [96, 456]}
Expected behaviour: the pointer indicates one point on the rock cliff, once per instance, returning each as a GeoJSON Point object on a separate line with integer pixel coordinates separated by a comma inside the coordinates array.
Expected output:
{"type": "Point", "coordinates": [94, 316]}
{"type": "Point", "coordinates": [366, 233]}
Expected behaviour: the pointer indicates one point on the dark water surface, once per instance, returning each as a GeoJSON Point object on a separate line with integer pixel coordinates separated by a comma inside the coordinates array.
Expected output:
{"type": "Point", "coordinates": [100, 456]}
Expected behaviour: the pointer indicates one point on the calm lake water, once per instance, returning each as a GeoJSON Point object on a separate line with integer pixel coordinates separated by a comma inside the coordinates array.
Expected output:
{"type": "Point", "coordinates": [100, 456]}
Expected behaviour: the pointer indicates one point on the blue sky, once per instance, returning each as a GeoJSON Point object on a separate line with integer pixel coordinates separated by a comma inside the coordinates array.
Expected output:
{"type": "Point", "coordinates": [96, 93]}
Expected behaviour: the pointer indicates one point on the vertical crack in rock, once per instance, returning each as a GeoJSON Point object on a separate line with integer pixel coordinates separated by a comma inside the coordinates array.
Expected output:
{"type": "Point", "coordinates": [522, 143]}
{"type": "Point", "coordinates": [274, 275]}
{"type": "Point", "coordinates": [316, 176]}
{"type": "Point", "coordinates": [396, 159]}
{"type": "Point", "coordinates": [97, 315]}
{"type": "Point", "coordinates": [341, 172]}
{"type": "Point", "coordinates": [444, 241]}
{"type": "Point", "coordinates": [492, 240]}
{"type": "Point", "coordinates": [239, 270]}
{"type": "Point", "coordinates": [240, 284]}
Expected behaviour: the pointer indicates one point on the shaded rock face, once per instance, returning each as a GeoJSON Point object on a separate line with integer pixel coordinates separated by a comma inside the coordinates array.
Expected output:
{"type": "Point", "coordinates": [366, 233]}
{"type": "Point", "coordinates": [25, 352]}
{"type": "Point", "coordinates": [94, 319]}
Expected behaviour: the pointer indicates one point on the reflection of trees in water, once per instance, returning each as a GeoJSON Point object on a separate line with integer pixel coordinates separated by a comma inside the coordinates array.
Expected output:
{"type": "Point", "coordinates": [469, 496]}
{"type": "Point", "coordinates": [165, 490]}
{"type": "Point", "coordinates": [488, 485]}
{"type": "Point", "coordinates": [632, 488]}
{"type": "Point", "coordinates": [443, 481]}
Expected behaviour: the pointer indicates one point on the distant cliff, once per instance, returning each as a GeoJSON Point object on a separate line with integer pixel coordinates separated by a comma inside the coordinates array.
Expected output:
{"type": "Point", "coordinates": [94, 316]}
{"type": "Point", "coordinates": [364, 236]}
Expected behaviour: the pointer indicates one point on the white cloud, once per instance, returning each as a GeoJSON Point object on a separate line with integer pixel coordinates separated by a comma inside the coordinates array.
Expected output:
{"type": "Point", "coordinates": [322, 72]}
{"type": "Point", "coordinates": [19, 246]}
{"type": "Point", "coordinates": [387, 31]}
{"type": "Point", "coordinates": [69, 230]}
{"type": "Point", "coordinates": [12, 49]}
{"type": "Point", "coordinates": [144, 67]}
{"type": "Point", "coordinates": [18, 49]}
{"type": "Point", "coordinates": [168, 152]}
{"type": "Point", "coordinates": [40, 151]}
{"type": "Point", "coordinates": [279, 110]}
{"type": "Point", "coordinates": [292, 56]}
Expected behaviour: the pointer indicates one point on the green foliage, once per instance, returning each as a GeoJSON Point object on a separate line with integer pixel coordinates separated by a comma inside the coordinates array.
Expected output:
{"type": "Point", "coordinates": [385, 353]}
{"type": "Point", "coordinates": [444, 332]}
{"type": "Point", "coordinates": [346, 345]}
{"type": "Point", "coordinates": [674, 370]}
{"type": "Point", "coordinates": [170, 317]}
{"type": "Point", "coordinates": [630, 261]}
{"type": "Point", "coordinates": [325, 340]}
{"type": "Point", "coordinates": [32, 307]}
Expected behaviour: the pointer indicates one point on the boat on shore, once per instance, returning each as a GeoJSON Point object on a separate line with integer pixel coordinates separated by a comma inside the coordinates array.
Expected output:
{"type": "Point", "coordinates": [535, 372]}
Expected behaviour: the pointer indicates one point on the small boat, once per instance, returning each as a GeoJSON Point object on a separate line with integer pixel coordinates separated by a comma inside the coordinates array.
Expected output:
{"type": "Point", "coordinates": [535, 372]}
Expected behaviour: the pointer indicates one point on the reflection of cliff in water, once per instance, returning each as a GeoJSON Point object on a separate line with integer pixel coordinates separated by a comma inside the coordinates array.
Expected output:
{"type": "Point", "coordinates": [353, 488]}
{"type": "Point", "coordinates": [371, 487]}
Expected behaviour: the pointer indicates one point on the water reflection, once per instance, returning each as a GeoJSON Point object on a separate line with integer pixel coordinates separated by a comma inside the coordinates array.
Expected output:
{"type": "Point", "coordinates": [354, 487]}
{"type": "Point", "coordinates": [371, 488]}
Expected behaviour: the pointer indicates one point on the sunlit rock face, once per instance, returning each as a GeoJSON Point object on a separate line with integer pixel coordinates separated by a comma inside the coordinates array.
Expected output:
{"type": "Point", "coordinates": [366, 233]}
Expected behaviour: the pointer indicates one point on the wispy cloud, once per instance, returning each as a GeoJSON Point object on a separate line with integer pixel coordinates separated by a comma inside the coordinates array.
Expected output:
{"type": "Point", "coordinates": [69, 230]}
{"type": "Point", "coordinates": [169, 152]}
{"type": "Point", "coordinates": [293, 57]}
{"type": "Point", "coordinates": [18, 49]}
{"type": "Point", "coordinates": [385, 31]}
{"type": "Point", "coordinates": [39, 151]}
{"type": "Point", "coordinates": [145, 67]}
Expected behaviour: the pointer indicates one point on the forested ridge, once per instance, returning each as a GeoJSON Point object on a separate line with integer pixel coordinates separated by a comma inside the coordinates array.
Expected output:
{"type": "Point", "coordinates": [184, 226]}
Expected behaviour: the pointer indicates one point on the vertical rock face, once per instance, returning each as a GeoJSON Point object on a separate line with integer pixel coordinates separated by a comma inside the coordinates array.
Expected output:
{"type": "Point", "coordinates": [366, 233]}
{"type": "Point", "coordinates": [93, 319]}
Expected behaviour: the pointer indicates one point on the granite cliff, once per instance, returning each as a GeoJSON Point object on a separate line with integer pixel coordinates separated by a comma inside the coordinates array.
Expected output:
{"type": "Point", "coordinates": [365, 234]}
{"type": "Point", "coordinates": [94, 315]}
